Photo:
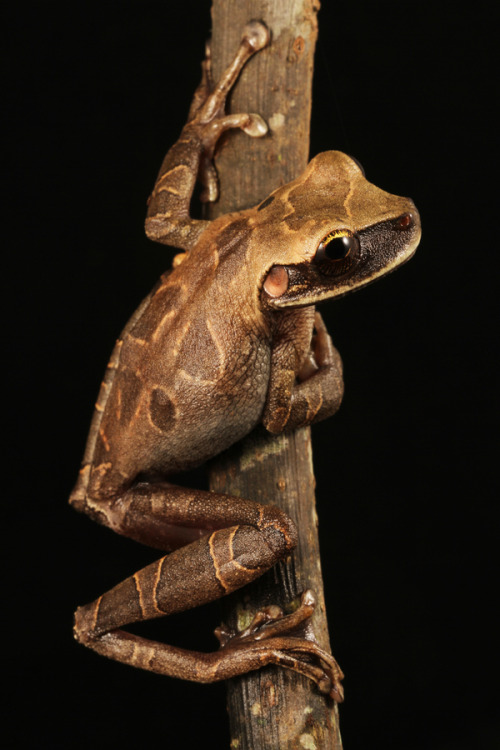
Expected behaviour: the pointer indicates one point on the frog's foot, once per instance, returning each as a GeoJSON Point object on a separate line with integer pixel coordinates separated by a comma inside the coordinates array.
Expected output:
{"type": "Point", "coordinates": [271, 621]}
{"type": "Point", "coordinates": [268, 640]}
{"type": "Point", "coordinates": [252, 124]}
{"type": "Point", "coordinates": [255, 37]}
{"type": "Point", "coordinates": [207, 113]}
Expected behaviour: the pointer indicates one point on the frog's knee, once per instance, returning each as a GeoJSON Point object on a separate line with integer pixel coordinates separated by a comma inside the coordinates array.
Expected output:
{"type": "Point", "coordinates": [279, 530]}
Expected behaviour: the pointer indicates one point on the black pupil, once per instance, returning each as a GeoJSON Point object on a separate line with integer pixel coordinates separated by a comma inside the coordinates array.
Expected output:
{"type": "Point", "coordinates": [338, 248]}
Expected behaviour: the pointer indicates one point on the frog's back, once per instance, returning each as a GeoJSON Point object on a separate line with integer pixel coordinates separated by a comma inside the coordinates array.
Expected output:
{"type": "Point", "coordinates": [113, 374]}
{"type": "Point", "coordinates": [166, 398]}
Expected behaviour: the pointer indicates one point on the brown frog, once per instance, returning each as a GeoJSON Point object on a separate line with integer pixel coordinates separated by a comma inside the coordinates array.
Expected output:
{"type": "Point", "coordinates": [228, 339]}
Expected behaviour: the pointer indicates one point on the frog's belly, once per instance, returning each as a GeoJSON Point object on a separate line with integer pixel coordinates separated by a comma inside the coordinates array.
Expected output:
{"type": "Point", "coordinates": [209, 421]}
{"type": "Point", "coordinates": [162, 423]}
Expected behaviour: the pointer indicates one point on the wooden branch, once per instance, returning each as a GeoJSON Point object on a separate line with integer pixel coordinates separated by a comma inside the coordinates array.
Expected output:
{"type": "Point", "coordinates": [273, 708]}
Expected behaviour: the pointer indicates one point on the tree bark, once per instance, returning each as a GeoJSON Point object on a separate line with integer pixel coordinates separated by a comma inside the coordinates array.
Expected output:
{"type": "Point", "coordinates": [273, 708]}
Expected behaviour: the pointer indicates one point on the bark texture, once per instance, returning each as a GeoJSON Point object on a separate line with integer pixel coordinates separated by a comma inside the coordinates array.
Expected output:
{"type": "Point", "coordinates": [273, 708]}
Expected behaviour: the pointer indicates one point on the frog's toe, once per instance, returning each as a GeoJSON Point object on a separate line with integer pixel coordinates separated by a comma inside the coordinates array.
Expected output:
{"type": "Point", "coordinates": [256, 128]}
{"type": "Point", "coordinates": [270, 622]}
{"type": "Point", "coordinates": [257, 35]}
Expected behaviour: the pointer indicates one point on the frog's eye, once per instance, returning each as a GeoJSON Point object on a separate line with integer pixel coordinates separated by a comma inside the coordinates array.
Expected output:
{"type": "Point", "coordinates": [336, 246]}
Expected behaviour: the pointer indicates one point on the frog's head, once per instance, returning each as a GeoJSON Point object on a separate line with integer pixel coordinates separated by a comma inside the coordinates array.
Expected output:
{"type": "Point", "coordinates": [330, 232]}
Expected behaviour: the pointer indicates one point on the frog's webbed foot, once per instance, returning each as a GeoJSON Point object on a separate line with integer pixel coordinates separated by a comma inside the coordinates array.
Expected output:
{"type": "Point", "coordinates": [270, 621]}
{"type": "Point", "coordinates": [207, 113]}
{"type": "Point", "coordinates": [270, 637]}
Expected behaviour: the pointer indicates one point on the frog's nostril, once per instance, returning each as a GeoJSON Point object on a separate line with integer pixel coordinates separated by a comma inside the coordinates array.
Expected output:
{"type": "Point", "coordinates": [406, 221]}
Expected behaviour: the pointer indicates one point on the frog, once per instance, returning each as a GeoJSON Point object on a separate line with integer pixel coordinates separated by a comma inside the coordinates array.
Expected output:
{"type": "Point", "coordinates": [227, 340]}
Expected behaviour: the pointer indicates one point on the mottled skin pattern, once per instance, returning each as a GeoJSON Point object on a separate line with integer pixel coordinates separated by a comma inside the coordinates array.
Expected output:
{"type": "Point", "coordinates": [228, 339]}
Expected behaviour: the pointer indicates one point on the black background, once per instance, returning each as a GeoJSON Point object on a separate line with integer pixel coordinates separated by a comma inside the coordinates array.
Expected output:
{"type": "Point", "coordinates": [406, 471]}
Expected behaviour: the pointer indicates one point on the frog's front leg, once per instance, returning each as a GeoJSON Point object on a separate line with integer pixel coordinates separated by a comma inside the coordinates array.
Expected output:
{"type": "Point", "coordinates": [168, 219]}
{"type": "Point", "coordinates": [245, 541]}
{"type": "Point", "coordinates": [308, 389]}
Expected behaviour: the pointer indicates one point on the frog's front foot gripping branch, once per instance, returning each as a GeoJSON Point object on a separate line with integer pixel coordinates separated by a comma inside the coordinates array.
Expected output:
{"type": "Point", "coordinates": [189, 159]}
{"type": "Point", "coordinates": [207, 112]}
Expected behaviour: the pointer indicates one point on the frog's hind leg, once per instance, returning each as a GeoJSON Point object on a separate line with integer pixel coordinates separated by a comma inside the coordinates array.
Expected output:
{"type": "Point", "coordinates": [242, 540]}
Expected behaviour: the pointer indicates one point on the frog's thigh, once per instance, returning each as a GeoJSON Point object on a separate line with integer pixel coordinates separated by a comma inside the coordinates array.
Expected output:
{"type": "Point", "coordinates": [167, 517]}
{"type": "Point", "coordinates": [253, 539]}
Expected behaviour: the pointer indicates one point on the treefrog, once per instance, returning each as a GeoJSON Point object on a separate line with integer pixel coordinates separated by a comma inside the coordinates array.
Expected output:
{"type": "Point", "coordinates": [228, 338]}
